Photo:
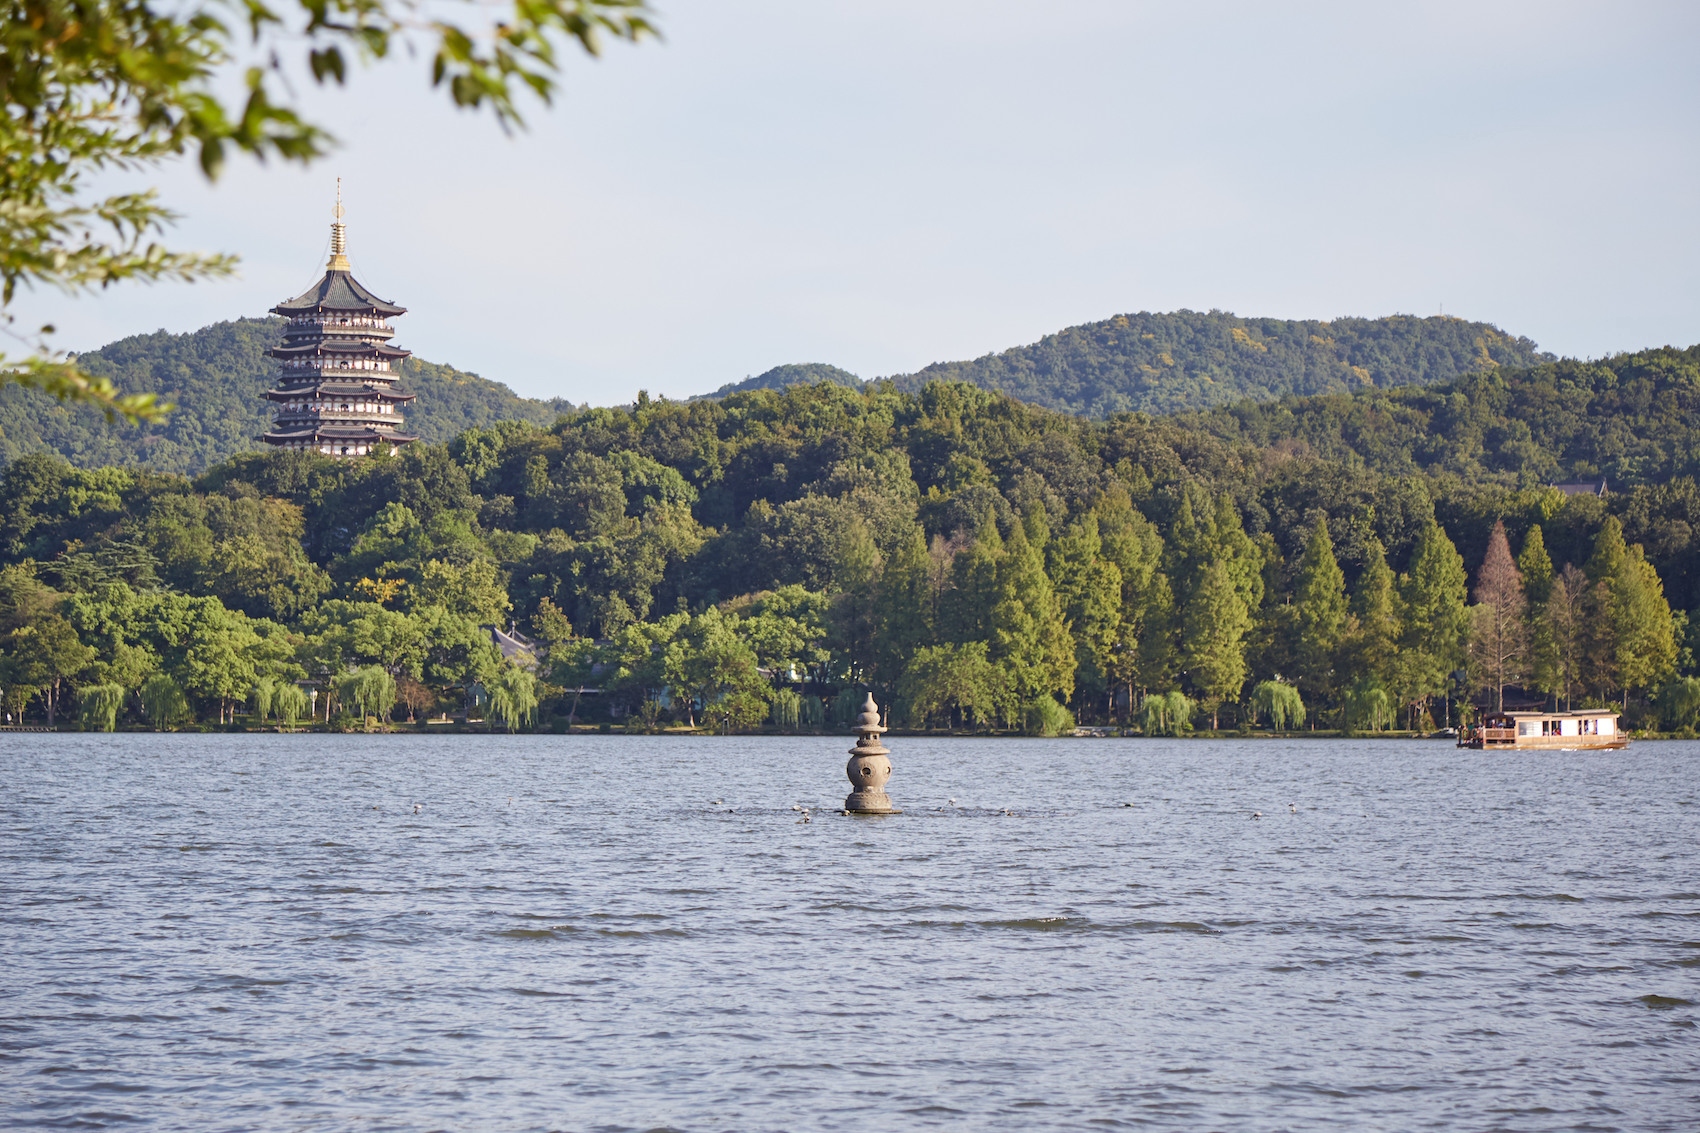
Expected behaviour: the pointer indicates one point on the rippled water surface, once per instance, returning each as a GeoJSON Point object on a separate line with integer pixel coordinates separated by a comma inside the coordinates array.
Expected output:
{"type": "Point", "coordinates": [611, 933]}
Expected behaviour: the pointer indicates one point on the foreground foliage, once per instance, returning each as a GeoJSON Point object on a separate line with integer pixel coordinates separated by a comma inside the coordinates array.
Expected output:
{"type": "Point", "coordinates": [92, 86]}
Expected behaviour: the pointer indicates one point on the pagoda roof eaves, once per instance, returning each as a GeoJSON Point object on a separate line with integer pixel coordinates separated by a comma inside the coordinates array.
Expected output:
{"type": "Point", "coordinates": [339, 346]}
{"type": "Point", "coordinates": [336, 291]}
{"type": "Point", "coordinates": [339, 390]}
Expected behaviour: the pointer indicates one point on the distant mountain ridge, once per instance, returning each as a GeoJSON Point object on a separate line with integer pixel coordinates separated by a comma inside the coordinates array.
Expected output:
{"type": "Point", "coordinates": [1187, 360]}
{"type": "Point", "coordinates": [792, 374]}
{"type": "Point", "coordinates": [215, 376]}
{"type": "Point", "coordinates": [1160, 364]}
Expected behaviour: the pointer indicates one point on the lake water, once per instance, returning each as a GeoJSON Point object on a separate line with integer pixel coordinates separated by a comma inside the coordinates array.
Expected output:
{"type": "Point", "coordinates": [611, 933]}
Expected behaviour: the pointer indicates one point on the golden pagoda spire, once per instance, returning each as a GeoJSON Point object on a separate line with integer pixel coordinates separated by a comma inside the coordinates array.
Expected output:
{"type": "Point", "coordinates": [339, 236]}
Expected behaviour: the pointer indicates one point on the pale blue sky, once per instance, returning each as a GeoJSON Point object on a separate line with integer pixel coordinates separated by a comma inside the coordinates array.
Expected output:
{"type": "Point", "coordinates": [881, 185]}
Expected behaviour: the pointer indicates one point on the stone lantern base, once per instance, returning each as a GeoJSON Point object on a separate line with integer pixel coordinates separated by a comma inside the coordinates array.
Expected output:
{"type": "Point", "coordinates": [869, 768]}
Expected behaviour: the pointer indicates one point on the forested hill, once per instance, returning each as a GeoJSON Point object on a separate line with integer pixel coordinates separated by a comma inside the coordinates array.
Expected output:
{"type": "Point", "coordinates": [1154, 363]}
{"type": "Point", "coordinates": [1633, 419]}
{"type": "Point", "coordinates": [1186, 360]}
{"type": "Point", "coordinates": [795, 374]}
{"type": "Point", "coordinates": [216, 376]}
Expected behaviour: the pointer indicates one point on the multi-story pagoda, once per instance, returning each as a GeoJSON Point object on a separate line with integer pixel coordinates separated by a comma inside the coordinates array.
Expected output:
{"type": "Point", "coordinates": [335, 389]}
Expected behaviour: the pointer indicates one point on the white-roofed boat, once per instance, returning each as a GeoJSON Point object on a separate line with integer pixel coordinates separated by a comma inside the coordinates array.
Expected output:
{"type": "Point", "coordinates": [1556, 731]}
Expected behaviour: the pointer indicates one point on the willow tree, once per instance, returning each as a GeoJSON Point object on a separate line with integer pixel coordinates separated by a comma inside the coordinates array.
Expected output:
{"type": "Point", "coordinates": [98, 706]}
{"type": "Point", "coordinates": [163, 702]}
{"type": "Point", "coordinates": [1168, 714]}
{"type": "Point", "coordinates": [370, 689]}
{"type": "Point", "coordinates": [1365, 703]}
{"type": "Point", "coordinates": [1280, 702]}
{"type": "Point", "coordinates": [1679, 702]}
{"type": "Point", "coordinates": [261, 696]}
{"type": "Point", "coordinates": [513, 697]}
{"type": "Point", "coordinates": [290, 704]}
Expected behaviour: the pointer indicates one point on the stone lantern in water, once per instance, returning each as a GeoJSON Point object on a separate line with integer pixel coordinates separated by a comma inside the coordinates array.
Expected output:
{"type": "Point", "coordinates": [869, 766]}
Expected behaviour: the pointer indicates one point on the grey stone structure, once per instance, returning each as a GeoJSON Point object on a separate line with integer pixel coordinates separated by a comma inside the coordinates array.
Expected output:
{"type": "Point", "coordinates": [870, 765]}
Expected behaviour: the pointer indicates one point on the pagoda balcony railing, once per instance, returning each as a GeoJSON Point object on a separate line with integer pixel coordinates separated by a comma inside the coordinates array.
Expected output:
{"type": "Point", "coordinates": [339, 414]}
{"type": "Point", "coordinates": [357, 322]}
{"type": "Point", "coordinates": [292, 367]}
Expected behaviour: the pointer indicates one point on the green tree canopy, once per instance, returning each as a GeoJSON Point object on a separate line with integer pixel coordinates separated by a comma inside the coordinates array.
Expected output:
{"type": "Point", "coordinates": [1372, 641]}
{"type": "Point", "coordinates": [1319, 600]}
{"type": "Point", "coordinates": [1435, 617]}
{"type": "Point", "coordinates": [1029, 637]}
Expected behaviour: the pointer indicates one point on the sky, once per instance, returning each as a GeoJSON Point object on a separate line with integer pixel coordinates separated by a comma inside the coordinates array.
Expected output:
{"type": "Point", "coordinates": [881, 185]}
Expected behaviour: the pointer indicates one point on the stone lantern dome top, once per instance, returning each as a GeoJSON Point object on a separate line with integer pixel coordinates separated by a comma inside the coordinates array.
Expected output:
{"type": "Point", "coordinates": [869, 721]}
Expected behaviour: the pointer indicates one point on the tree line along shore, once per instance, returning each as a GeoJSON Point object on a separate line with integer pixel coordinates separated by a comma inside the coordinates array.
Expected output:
{"type": "Point", "coordinates": [1361, 562]}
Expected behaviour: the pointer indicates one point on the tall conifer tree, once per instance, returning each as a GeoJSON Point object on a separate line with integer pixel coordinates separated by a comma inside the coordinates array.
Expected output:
{"type": "Point", "coordinates": [1030, 638]}
{"type": "Point", "coordinates": [1636, 645]}
{"type": "Point", "coordinates": [966, 609]}
{"type": "Point", "coordinates": [1536, 566]}
{"type": "Point", "coordinates": [1561, 631]}
{"type": "Point", "coordinates": [1132, 544]}
{"type": "Point", "coordinates": [1373, 639]}
{"type": "Point", "coordinates": [1089, 589]}
{"type": "Point", "coordinates": [1213, 633]}
{"type": "Point", "coordinates": [1432, 604]}
{"type": "Point", "coordinates": [1499, 632]}
{"type": "Point", "coordinates": [856, 571]}
{"type": "Point", "coordinates": [1159, 647]}
{"type": "Point", "coordinates": [1217, 573]}
{"type": "Point", "coordinates": [1319, 601]}
{"type": "Point", "coordinates": [904, 608]}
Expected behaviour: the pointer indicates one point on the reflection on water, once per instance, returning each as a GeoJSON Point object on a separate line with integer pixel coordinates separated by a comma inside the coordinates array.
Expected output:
{"type": "Point", "coordinates": [572, 933]}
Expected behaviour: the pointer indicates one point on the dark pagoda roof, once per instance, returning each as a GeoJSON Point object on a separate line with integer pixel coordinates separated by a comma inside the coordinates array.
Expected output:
{"type": "Point", "coordinates": [337, 291]}
{"type": "Point", "coordinates": [338, 434]}
{"type": "Point", "coordinates": [339, 346]}
{"type": "Point", "coordinates": [337, 390]}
